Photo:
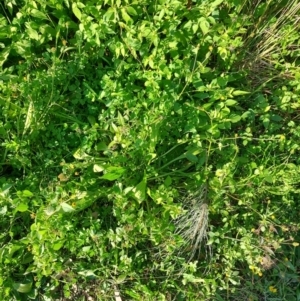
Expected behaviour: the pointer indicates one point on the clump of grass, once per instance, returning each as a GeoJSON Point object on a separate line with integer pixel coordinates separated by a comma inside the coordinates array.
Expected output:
{"type": "Point", "coordinates": [271, 47]}
{"type": "Point", "coordinates": [192, 225]}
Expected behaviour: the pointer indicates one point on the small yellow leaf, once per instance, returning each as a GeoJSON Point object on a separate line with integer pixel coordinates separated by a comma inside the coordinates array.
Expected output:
{"type": "Point", "coordinates": [62, 177]}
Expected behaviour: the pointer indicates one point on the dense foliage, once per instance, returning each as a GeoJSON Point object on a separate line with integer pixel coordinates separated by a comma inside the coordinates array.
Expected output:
{"type": "Point", "coordinates": [150, 148]}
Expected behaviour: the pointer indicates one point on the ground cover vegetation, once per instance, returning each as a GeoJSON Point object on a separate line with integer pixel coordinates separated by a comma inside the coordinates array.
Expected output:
{"type": "Point", "coordinates": [149, 148]}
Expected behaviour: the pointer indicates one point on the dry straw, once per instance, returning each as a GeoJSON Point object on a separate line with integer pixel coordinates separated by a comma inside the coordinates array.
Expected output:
{"type": "Point", "coordinates": [193, 223]}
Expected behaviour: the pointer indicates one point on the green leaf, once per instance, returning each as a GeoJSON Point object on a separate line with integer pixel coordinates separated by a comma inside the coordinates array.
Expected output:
{"type": "Point", "coordinates": [3, 210]}
{"type": "Point", "coordinates": [230, 102]}
{"type": "Point", "coordinates": [29, 117]}
{"type": "Point", "coordinates": [140, 190]}
{"type": "Point", "coordinates": [131, 11]}
{"type": "Point", "coordinates": [113, 173]}
{"type": "Point", "coordinates": [204, 25]}
{"type": "Point", "coordinates": [76, 11]}
{"type": "Point", "coordinates": [98, 168]}
{"type": "Point", "coordinates": [57, 246]}
{"type": "Point", "coordinates": [33, 34]}
{"type": "Point", "coordinates": [191, 157]}
{"type": "Point", "coordinates": [195, 28]}
{"type": "Point", "coordinates": [5, 190]}
{"type": "Point", "coordinates": [81, 155]}
{"type": "Point", "coordinates": [67, 3]}
{"type": "Point", "coordinates": [110, 14]}
{"type": "Point", "coordinates": [66, 207]}
{"type": "Point", "coordinates": [168, 181]}
{"type": "Point", "coordinates": [4, 31]}
{"type": "Point", "coordinates": [239, 92]}
{"type": "Point", "coordinates": [92, 120]}
{"type": "Point", "coordinates": [87, 273]}
{"type": "Point", "coordinates": [22, 207]}
{"type": "Point", "coordinates": [223, 53]}
{"type": "Point", "coordinates": [125, 16]}
{"type": "Point", "coordinates": [215, 3]}
{"type": "Point", "coordinates": [27, 193]}
{"type": "Point", "coordinates": [235, 118]}
{"type": "Point", "coordinates": [101, 146]}
{"type": "Point", "coordinates": [23, 287]}
{"type": "Point", "coordinates": [38, 14]}
{"type": "Point", "coordinates": [4, 55]}
{"type": "Point", "coordinates": [121, 119]}
{"type": "Point", "coordinates": [121, 278]}
{"type": "Point", "coordinates": [86, 248]}
{"type": "Point", "coordinates": [266, 122]}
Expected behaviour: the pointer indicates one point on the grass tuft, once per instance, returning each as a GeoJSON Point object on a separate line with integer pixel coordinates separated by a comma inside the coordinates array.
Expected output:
{"type": "Point", "coordinates": [193, 223]}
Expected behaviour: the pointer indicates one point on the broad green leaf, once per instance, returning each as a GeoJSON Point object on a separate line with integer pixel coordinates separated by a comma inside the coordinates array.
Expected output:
{"type": "Point", "coordinates": [4, 31]}
{"type": "Point", "coordinates": [161, 14]}
{"type": "Point", "coordinates": [110, 14]}
{"type": "Point", "coordinates": [276, 117]}
{"type": "Point", "coordinates": [101, 146]}
{"type": "Point", "coordinates": [27, 258]}
{"type": "Point", "coordinates": [98, 168]}
{"type": "Point", "coordinates": [127, 190]}
{"type": "Point", "coordinates": [113, 173]}
{"type": "Point", "coordinates": [76, 11]}
{"type": "Point", "coordinates": [266, 122]}
{"type": "Point", "coordinates": [204, 25]}
{"type": "Point", "coordinates": [5, 190]}
{"type": "Point", "coordinates": [215, 3]}
{"type": "Point", "coordinates": [223, 54]}
{"type": "Point", "coordinates": [58, 245]}
{"type": "Point", "coordinates": [140, 190]}
{"type": "Point", "coordinates": [247, 114]}
{"type": "Point", "coordinates": [121, 119]}
{"type": "Point", "coordinates": [125, 16]}
{"type": "Point", "coordinates": [92, 120]}
{"type": "Point", "coordinates": [269, 178]}
{"type": "Point", "coordinates": [168, 181]}
{"type": "Point", "coordinates": [23, 287]}
{"type": "Point", "coordinates": [86, 248]}
{"type": "Point", "coordinates": [121, 278]}
{"type": "Point", "coordinates": [49, 211]}
{"type": "Point", "coordinates": [230, 102]}
{"type": "Point", "coordinates": [81, 155]}
{"type": "Point", "coordinates": [3, 210]}
{"type": "Point", "coordinates": [27, 193]}
{"type": "Point", "coordinates": [67, 3]}
{"type": "Point", "coordinates": [235, 118]}
{"type": "Point", "coordinates": [114, 128]}
{"type": "Point", "coordinates": [38, 14]}
{"type": "Point", "coordinates": [191, 157]}
{"type": "Point", "coordinates": [233, 281]}
{"type": "Point", "coordinates": [22, 207]}
{"type": "Point", "coordinates": [33, 34]}
{"type": "Point", "coordinates": [66, 207]}
{"type": "Point", "coordinates": [80, 5]}
{"type": "Point", "coordinates": [195, 28]}
{"type": "Point", "coordinates": [131, 11]}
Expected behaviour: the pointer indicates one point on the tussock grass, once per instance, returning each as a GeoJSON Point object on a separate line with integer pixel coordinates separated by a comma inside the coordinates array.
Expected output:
{"type": "Point", "coordinates": [192, 225]}
{"type": "Point", "coordinates": [270, 48]}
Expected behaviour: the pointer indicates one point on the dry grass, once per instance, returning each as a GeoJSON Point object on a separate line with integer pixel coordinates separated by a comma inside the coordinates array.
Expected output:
{"type": "Point", "coordinates": [268, 41]}
{"type": "Point", "coordinates": [193, 223]}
